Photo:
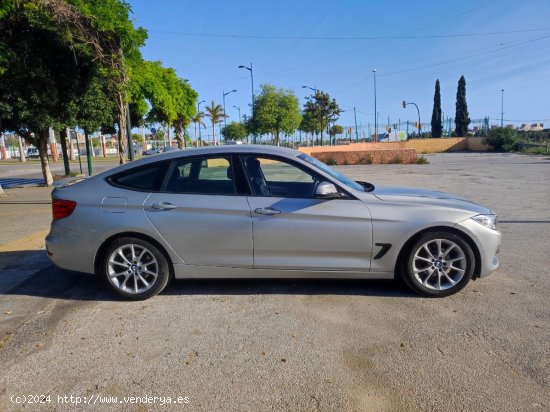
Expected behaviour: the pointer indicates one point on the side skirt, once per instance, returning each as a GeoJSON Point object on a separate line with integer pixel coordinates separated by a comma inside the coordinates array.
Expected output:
{"type": "Point", "coordinates": [190, 272]}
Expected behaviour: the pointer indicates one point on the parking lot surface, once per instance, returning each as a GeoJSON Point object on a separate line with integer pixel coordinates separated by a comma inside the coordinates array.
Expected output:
{"type": "Point", "coordinates": [330, 345]}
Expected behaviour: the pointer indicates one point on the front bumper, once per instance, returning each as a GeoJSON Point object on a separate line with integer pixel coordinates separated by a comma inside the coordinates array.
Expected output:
{"type": "Point", "coordinates": [488, 244]}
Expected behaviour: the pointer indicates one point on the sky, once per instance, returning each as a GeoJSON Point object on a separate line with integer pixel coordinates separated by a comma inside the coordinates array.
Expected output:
{"type": "Point", "coordinates": [334, 45]}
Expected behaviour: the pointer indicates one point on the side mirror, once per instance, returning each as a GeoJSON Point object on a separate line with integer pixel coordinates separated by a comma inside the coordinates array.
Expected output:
{"type": "Point", "coordinates": [326, 190]}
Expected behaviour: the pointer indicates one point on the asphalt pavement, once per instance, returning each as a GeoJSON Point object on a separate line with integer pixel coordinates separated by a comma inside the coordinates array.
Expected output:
{"type": "Point", "coordinates": [249, 345]}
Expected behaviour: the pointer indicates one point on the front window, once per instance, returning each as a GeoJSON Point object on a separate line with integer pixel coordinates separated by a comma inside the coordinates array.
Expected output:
{"type": "Point", "coordinates": [330, 171]}
{"type": "Point", "coordinates": [272, 177]}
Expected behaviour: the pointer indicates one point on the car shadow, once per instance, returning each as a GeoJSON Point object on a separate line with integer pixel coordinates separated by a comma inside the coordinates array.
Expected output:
{"type": "Point", "coordinates": [55, 283]}
{"type": "Point", "coordinates": [352, 287]}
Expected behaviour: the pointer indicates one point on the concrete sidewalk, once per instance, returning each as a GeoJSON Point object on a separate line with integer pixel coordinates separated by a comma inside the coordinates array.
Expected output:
{"type": "Point", "coordinates": [25, 216]}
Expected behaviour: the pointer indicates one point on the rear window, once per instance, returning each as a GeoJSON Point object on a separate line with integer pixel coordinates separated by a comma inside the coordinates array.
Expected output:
{"type": "Point", "coordinates": [145, 178]}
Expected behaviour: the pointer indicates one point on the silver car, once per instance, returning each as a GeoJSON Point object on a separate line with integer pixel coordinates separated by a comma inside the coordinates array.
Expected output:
{"type": "Point", "coordinates": [245, 211]}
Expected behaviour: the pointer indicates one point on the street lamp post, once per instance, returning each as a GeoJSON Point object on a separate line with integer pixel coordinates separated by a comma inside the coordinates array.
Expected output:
{"type": "Point", "coordinates": [502, 108]}
{"type": "Point", "coordinates": [252, 83]}
{"type": "Point", "coordinates": [375, 112]}
{"type": "Point", "coordinates": [314, 88]}
{"type": "Point", "coordinates": [239, 109]}
{"type": "Point", "coordinates": [415, 105]}
{"type": "Point", "coordinates": [200, 134]}
{"type": "Point", "coordinates": [225, 116]}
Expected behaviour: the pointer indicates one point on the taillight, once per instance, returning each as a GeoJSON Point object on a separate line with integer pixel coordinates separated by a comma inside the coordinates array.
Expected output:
{"type": "Point", "coordinates": [62, 208]}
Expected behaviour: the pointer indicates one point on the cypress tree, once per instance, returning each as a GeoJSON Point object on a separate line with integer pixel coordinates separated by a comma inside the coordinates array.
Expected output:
{"type": "Point", "coordinates": [462, 119]}
{"type": "Point", "coordinates": [437, 127]}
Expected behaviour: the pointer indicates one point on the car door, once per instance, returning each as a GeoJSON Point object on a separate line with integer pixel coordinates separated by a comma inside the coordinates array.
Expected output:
{"type": "Point", "coordinates": [295, 230]}
{"type": "Point", "coordinates": [199, 213]}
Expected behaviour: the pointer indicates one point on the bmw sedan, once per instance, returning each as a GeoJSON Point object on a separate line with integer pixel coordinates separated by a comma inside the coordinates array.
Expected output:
{"type": "Point", "coordinates": [246, 211]}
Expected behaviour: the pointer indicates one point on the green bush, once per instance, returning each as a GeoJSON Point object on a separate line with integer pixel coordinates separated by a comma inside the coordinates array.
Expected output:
{"type": "Point", "coordinates": [396, 160]}
{"type": "Point", "coordinates": [331, 161]}
{"type": "Point", "coordinates": [502, 139]}
{"type": "Point", "coordinates": [421, 160]}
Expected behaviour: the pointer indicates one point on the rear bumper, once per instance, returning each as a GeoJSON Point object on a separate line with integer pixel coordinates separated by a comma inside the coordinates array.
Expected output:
{"type": "Point", "coordinates": [488, 244]}
{"type": "Point", "coordinates": [69, 250]}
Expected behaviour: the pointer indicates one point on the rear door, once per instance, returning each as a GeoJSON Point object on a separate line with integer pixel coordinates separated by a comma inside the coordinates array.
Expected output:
{"type": "Point", "coordinates": [199, 213]}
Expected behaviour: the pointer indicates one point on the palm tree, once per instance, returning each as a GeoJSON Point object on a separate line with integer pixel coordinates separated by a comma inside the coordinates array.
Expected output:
{"type": "Point", "coordinates": [216, 115]}
{"type": "Point", "coordinates": [197, 119]}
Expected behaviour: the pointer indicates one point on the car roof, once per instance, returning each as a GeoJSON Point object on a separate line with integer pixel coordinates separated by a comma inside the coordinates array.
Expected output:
{"type": "Point", "coordinates": [222, 150]}
{"type": "Point", "coordinates": [208, 151]}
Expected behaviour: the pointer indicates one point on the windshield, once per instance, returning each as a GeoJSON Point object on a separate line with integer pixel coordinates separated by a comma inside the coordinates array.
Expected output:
{"type": "Point", "coordinates": [327, 169]}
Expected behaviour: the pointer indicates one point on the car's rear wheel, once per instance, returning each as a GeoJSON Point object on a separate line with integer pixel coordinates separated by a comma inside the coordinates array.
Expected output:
{"type": "Point", "coordinates": [438, 264]}
{"type": "Point", "coordinates": [134, 268]}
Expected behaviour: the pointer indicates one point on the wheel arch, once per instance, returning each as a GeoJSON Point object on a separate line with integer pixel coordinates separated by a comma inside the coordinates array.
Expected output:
{"type": "Point", "coordinates": [408, 244]}
{"type": "Point", "coordinates": [102, 249]}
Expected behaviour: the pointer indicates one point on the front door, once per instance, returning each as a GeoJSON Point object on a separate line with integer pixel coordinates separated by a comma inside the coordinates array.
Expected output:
{"type": "Point", "coordinates": [199, 213]}
{"type": "Point", "coordinates": [294, 230]}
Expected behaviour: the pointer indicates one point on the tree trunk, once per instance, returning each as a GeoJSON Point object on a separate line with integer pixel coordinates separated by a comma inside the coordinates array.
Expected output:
{"type": "Point", "coordinates": [43, 152]}
{"type": "Point", "coordinates": [122, 135]}
{"type": "Point", "coordinates": [63, 138]}
{"type": "Point", "coordinates": [277, 138]}
{"type": "Point", "coordinates": [179, 137]}
{"type": "Point", "coordinates": [22, 158]}
{"type": "Point", "coordinates": [214, 134]}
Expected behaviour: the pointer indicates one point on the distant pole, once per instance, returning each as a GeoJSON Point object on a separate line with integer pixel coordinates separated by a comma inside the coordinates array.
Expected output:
{"type": "Point", "coordinates": [88, 153]}
{"type": "Point", "coordinates": [252, 83]}
{"type": "Point", "coordinates": [405, 104]}
{"type": "Point", "coordinates": [225, 117]}
{"type": "Point", "coordinates": [239, 109]}
{"type": "Point", "coordinates": [502, 108]}
{"type": "Point", "coordinates": [375, 112]}
{"type": "Point", "coordinates": [356, 131]}
{"type": "Point", "coordinates": [200, 135]}
{"type": "Point", "coordinates": [129, 133]}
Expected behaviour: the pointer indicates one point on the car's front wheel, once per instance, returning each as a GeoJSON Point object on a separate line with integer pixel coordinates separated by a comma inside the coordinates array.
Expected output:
{"type": "Point", "coordinates": [134, 268]}
{"type": "Point", "coordinates": [438, 264]}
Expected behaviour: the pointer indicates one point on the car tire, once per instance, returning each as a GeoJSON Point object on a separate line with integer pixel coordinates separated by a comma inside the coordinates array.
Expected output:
{"type": "Point", "coordinates": [134, 268]}
{"type": "Point", "coordinates": [438, 264]}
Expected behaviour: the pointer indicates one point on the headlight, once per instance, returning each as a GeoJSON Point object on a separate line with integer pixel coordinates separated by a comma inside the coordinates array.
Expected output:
{"type": "Point", "coordinates": [489, 221]}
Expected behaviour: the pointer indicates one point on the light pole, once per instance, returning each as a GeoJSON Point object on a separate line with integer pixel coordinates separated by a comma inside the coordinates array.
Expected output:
{"type": "Point", "coordinates": [252, 82]}
{"type": "Point", "coordinates": [502, 108]}
{"type": "Point", "coordinates": [225, 116]}
{"type": "Point", "coordinates": [313, 89]}
{"type": "Point", "coordinates": [239, 109]}
{"type": "Point", "coordinates": [375, 112]}
{"type": "Point", "coordinates": [415, 105]}
{"type": "Point", "coordinates": [198, 110]}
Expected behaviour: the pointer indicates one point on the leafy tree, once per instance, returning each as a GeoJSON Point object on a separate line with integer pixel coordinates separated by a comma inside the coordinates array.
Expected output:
{"type": "Point", "coordinates": [104, 29]}
{"type": "Point", "coordinates": [275, 111]}
{"type": "Point", "coordinates": [234, 131]}
{"type": "Point", "coordinates": [335, 130]}
{"type": "Point", "coordinates": [41, 76]}
{"type": "Point", "coordinates": [172, 99]}
{"type": "Point", "coordinates": [462, 119]}
{"type": "Point", "coordinates": [323, 109]}
{"type": "Point", "coordinates": [437, 126]}
{"type": "Point", "coordinates": [502, 139]}
{"type": "Point", "coordinates": [215, 113]}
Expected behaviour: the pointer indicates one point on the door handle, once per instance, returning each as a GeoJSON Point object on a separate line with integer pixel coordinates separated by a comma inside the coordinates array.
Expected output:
{"type": "Point", "coordinates": [267, 211]}
{"type": "Point", "coordinates": [163, 206]}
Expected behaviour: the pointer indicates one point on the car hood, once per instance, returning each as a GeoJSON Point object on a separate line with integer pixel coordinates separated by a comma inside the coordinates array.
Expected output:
{"type": "Point", "coordinates": [397, 194]}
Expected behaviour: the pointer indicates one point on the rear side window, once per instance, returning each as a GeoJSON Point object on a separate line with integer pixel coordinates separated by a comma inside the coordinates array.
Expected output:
{"type": "Point", "coordinates": [201, 175]}
{"type": "Point", "coordinates": [145, 178]}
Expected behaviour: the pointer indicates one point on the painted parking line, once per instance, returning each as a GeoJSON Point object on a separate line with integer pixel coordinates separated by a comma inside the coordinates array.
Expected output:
{"type": "Point", "coordinates": [8, 183]}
